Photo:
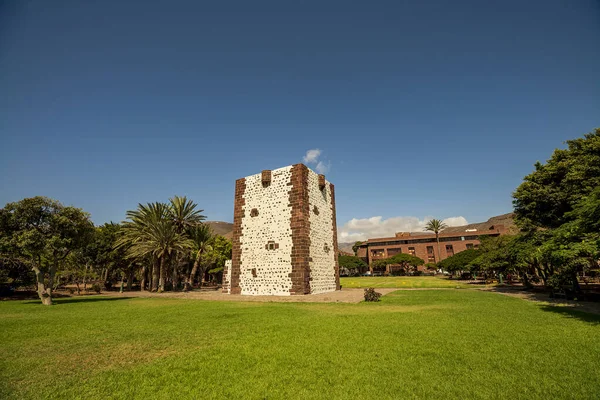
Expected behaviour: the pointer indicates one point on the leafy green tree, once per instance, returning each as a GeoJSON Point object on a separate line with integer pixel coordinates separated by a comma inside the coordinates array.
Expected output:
{"type": "Point", "coordinates": [586, 216]}
{"type": "Point", "coordinates": [570, 251]}
{"type": "Point", "coordinates": [558, 209]}
{"type": "Point", "coordinates": [548, 195]}
{"type": "Point", "coordinates": [102, 254]}
{"type": "Point", "coordinates": [493, 255]}
{"type": "Point", "coordinates": [216, 255]}
{"type": "Point", "coordinates": [355, 247]}
{"type": "Point", "coordinates": [45, 233]}
{"type": "Point", "coordinates": [352, 263]}
{"type": "Point", "coordinates": [407, 262]}
{"type": "Point", "coordinates": [460, 261]}
{"type": "Point", "coordinates": [15, 270]}
{"type": "Point", "coordinates": [436, 226]}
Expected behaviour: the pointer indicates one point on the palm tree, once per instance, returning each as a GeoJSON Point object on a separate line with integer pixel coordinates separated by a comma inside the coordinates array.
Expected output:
{"type": "Point", "coordinates": [134, 231]}
{"type": "Point", "coordinates": [150, 231]}
{"type": "Point", "coordinates": [202, 237]}
{"type": "Point", "coordinates": [436, 226]}
{"type": "Point", "coordinates": [183, 213]}
{"type": "Point", "coordinates": [185, 216]}
{"type": "Point", "coordinates": [163, 242]}
{"type": "Point", "coordinates": [159, 232]}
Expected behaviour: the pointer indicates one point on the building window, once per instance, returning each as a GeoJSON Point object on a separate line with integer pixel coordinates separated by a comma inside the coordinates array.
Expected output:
{"type": "Point", "coordinates": [271, 245]}
{"type": "Point", "coordinates": [411, 251]}
{"type": "Point", "coordinates": [430, 254]}
{"type": "Point", "coordinates": [449, 250]}
{"type": "Point", "coordinates": [476, 246]}
{"type": "Point", "coordinates": [393, 252]}
{"type": "Point", "coordinates": [378, 253]}
{"type": "Point", "coordinates": [469, 246]}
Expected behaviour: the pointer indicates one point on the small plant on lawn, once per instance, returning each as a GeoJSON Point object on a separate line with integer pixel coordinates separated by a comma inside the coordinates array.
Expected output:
{"type": "Point", "coordinates": [371, 295]}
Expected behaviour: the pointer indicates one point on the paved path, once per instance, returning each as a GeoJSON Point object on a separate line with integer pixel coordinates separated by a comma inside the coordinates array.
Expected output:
{"type": "Point", "coordinates": [340, 296]}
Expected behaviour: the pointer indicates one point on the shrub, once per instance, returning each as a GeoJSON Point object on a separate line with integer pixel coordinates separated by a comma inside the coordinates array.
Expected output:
{"type": "Point", "coordinates": [431, 266]}
{"type": "Point", "coordinates": [556, 282]}
{"type": "Point", "coordinates": [96, 288]}
{"type": "Point", "coordinates": [107, 285]}
{"type": "Point", "coordinates": [371, 295]}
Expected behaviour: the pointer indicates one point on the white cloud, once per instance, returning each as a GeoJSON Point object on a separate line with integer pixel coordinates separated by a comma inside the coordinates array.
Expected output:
{"type": "Point", "coordinates": [322, 168]}
{"type": "Point", "coordinates": [455, 221]}
{"type": "Point", "coordinates": [312, 156]}
{"type": "Point", "coordinates": [374, 227]}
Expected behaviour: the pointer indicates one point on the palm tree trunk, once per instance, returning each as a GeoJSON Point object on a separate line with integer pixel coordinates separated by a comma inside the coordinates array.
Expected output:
{"type": "Point", "coordinates": [437, 239]}
{"type": "Point", "coordinates": [130, 280]}
{"type": "Point", "coordinates": [175, 276]}
{"type": "Point", "coordinates": [163, 274]}
{"type": "Point", "coordinates": [155, 273]}
{"type": "Point", "coordinates": [143, 282]}
{"type": "Point", "coordinates": [190, 281]}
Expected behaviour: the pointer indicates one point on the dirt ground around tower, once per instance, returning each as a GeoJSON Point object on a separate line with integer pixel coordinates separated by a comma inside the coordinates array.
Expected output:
{"type": "Point", "coordinates": [339, 296]}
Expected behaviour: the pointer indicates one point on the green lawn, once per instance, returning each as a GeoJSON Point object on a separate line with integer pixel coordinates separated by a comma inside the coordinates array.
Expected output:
{"type": "Point", "coordinates": [437, 282]}
{"type": "Point", "coordinates": [413, 344]}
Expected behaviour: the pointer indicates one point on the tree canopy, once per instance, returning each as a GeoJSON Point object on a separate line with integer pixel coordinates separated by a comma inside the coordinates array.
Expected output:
{"type": "Point", "coordinates": [548, 195]}
{"type": "Point", "coordinates": [403, 260]}
{"type": "Point", "coordinates": [42, 232]}
{"type": "Point", "coordinates": [355, 247]}
{"type": "Point", "coordinates": [460, 261]}
{"type": "Point", "coordinates": [557, 208]}
{"type": "Point", "coordinates": [351, 262]}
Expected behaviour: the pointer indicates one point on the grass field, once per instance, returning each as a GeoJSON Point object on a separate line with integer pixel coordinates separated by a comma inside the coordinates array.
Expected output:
{"type": "Point", "coordinates": [413, 344]}
{"type": "Point", "coordinates": [404, 282]}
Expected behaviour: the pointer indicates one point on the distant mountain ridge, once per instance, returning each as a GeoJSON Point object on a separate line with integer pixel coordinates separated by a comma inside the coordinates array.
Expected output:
{"type": "Point", "coordinates": [221, 228]}
{"type": "Point", "coordinates": [508, 220]}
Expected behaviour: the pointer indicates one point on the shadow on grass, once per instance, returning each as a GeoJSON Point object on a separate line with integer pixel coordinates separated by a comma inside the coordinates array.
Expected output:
{"type": "Point", "coordinates": [588, 317]}
{"type": "Point", "coordinates": [86, 299]}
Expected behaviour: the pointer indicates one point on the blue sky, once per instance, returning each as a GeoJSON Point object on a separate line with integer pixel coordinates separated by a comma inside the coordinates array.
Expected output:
{"type": "Point", "coordinates": [418, 108]}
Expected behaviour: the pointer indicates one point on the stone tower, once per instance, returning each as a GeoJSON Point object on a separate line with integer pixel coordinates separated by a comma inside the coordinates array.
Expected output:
{"type": "Point", "coordinates": [284, 234]}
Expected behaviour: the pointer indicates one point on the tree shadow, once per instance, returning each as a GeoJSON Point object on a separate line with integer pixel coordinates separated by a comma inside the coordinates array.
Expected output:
{"type": "Point", "coordinates": [567, 312]}
{"type": "Point", "coordinates": [86, 299]}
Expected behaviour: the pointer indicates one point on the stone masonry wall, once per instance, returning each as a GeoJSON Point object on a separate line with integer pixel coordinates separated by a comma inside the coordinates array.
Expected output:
{"type": "Point", "coordinates": [238, 216]}
{"type": "Point", "coordinates": [227, 277]}
{"type": "Point", "coordinates": [284, 238]}
{"type": "Point", "coordinates": [323, 255]}
{"type": "Point", "coordinates": [300, 225]}
{"type": "Point", "coordinates": [266, 242]}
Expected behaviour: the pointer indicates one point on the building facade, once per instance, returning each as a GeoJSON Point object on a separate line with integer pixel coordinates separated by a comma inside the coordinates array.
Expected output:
{"type": "Point", "coordinates": [424, 245]}
{"type": "Point", "coordinates": [284, 234]}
